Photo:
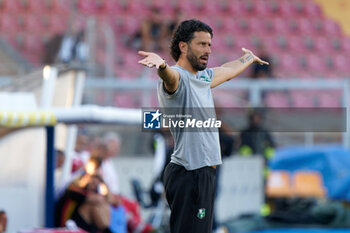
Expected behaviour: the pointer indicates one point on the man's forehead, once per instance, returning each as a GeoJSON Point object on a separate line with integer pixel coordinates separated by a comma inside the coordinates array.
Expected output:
{"type": "Point", "coordinates": [201, 35]}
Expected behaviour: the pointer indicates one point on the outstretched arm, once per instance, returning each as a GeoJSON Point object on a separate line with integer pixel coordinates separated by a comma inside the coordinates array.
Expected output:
{"type": "Point", "coordinates": [169, 75]}
{"type": "Point", "coordinates": [231, 69]}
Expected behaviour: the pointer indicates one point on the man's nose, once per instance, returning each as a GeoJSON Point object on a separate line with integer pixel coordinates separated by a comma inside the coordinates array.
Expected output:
{"type": "Point", "coordinates": [208, 50]}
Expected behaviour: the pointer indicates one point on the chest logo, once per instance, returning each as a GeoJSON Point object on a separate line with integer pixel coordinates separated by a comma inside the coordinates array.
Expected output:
{"type": "Point", "coordinates": [204, 78]}
{"type": "Point", "coordinates": [201, 213]}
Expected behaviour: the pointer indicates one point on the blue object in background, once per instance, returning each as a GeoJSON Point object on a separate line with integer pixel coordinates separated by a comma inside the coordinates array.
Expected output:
{"type": "Point", "coordinates": [118, 220]}
{"type": "Point", "coordinates": [332, 161]}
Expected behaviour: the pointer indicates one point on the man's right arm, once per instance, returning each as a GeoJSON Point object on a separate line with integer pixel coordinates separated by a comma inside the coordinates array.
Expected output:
{"type": "Point", "coordinates": [169, 75]}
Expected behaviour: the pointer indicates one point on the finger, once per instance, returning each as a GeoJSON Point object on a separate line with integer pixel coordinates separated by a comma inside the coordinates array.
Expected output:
{"type": "Point", "coordinates": [261, 62]}
{"type": "Point", "coordinates": [145, 60]}
{"type": "Point", "coordinates": [143, 53]}
{"type": "Point", "coordinates": [246, 50]}
{"type": "Point", "coordinates": [143, 63]}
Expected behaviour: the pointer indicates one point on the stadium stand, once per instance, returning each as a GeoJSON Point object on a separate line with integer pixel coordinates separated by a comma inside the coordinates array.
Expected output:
{"type": "Point", "coordinates": [305, 38]}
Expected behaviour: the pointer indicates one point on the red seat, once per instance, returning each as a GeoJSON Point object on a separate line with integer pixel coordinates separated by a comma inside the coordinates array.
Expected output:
{"type": "Point", "coordinates": [8, 23]}
{"type": "Point", "coordinates": [323, 44]}
{"type": "Point", "coordinates": [13, 7]}
{"type": "Point", "coordinates": [285, 8]}
{"type": "Point", "coordinates": [331, 27]}
{"type": "Point", "coordinates": [302, 99]}
{"type": "Point", "coordinates": [86, 6]}
{"type": "Point", "coordinates": [279, 25]}
{"type": "Point", "coordinates": [312, 9]}
{"type": "Point", "coordinates": [276, 99]}
{"type": "Point", "coordinates": [305, 26]}
{"type": "Point", "coordinates": [345, 44]}
{"type": "Point", "coordinates": [289, 62]}
{"type": "Point", "coordinates": [34, 23]}
{"type": "Point", "coordinates": [317, 64]}
{"type": "Point", "coordinates": [257, 26]}
{"type": "Point", "coordinates": [57, 24]}
{"type": "Point", "coordinates": [295, 44]}
{"type": "Point", "coordinates": [329, 99]}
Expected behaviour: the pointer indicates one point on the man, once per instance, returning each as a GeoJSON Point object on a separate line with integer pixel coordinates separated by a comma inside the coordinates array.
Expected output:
{"type": "Point", "coordinates": [189, 178]}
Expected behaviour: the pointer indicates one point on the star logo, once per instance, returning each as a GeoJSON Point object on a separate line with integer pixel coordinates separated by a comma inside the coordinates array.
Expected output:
{"type": "Point", "coordinates": [152, 119]}
{"type": "Point", "coordinates": [156, 115]}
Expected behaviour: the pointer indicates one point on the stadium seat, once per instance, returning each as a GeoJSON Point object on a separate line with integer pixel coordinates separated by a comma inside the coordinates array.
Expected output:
{"type": "Point", "coordinates": [345, 44]}
{"type": "Point", "coordinates": [288, 62]}
{"type": "Point", "coordinates": [276, 99]}
{"type": "Point", "coordinates": [341, 63]}
{"type": "Point", "coordinates": [316, 63]}
{"type": "Point", "coordinates": [279, 184]}
{"type": "Point", "coordinates": [34, 23]}
{"type": "Point", "coordinates": [323, 44]}
{"type": "Point", "coordinates": [12, 7]}
{"type": "Point", "coordinates": [8, 23]}
{"type": "Point", "coordinates": [305, 25]}
{"type": "Point", "coordinates": [311, 9]}
{"type": "Point", "coordinates": [308, 184]}
{"type": "Point", "coordinates": [286, 9]}
{"type": "Point", "coordinates": [86, 6]}
{"type": "Point", "coordinates": [295, 44]}
{"type": "Point", "coordinates": [126, 100]}
{"type": "Point", "coordinates": [329, 99]}
{"type": "Point", "coordinates": [331, 28]}
{"type": "Point", "coordinates": [57, 24]}
{"type": "Point", "coordinates": [302, 99]}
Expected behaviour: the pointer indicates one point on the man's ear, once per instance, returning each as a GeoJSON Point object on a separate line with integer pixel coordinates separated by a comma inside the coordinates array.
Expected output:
{"type": "Point", "coordinates": [183, 47]}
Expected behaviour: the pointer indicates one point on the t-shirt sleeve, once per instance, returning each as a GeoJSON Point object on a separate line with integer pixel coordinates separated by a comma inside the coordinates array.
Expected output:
{"type": "Point", "coordinates": [210, 72]}
{"type": "Point", "coordinates": [179, 88]}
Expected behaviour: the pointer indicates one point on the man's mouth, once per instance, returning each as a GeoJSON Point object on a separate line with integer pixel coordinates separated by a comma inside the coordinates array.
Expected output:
{"type": "Point", "coordinates": [204, 59]}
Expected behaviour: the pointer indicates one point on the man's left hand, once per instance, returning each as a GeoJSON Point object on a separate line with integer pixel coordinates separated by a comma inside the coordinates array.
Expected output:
{"type": "Point", "coordinates": [256, 58]}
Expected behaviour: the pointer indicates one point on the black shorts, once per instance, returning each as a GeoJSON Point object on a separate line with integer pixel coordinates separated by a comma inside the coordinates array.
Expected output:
{"type": "Point", "coordinates": [190, 195]}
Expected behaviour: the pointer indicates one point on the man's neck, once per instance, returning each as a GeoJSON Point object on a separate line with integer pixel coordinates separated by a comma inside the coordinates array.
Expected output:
{"type": "Point", "coordinates": [184, 63]}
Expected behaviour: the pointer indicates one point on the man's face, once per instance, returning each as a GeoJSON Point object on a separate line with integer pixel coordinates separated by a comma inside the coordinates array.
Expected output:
{"type": "Point", "coordinates": [199, 50]}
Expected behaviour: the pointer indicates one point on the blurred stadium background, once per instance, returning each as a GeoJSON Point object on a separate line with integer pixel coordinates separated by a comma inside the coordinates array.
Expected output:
{"type": "Point", "coordinates": [308, 42]}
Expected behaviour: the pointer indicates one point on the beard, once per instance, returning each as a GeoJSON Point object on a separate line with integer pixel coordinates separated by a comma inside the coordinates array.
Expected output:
{"type": "Point", "coordinates": [194, 61]}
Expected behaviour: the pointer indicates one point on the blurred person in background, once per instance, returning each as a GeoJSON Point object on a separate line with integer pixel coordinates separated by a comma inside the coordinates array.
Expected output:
{"type": "Point", "coordinates": [110, 148]}
{"type": "Point", "coordinates": [86, 200]}
{"type": "Point", "coordinates": [3, 221]}
{"type": "Point", "coordinates": [154, 32]}
{"type": "Point", "coordinates": [255, 139]}
{"type": "Point", "coordinates": [121, 206]}
{"type": "Point", "coordinates": [51, 49]}
{"type": "Point", "coordinates": [74, 47]}
{"type": "Point", "coordinates": [60, 158]}
{"type": "Point", "coordinates": [196, 154]}
{"type": "Point", "coordinates": [81, 153]}
{"type": "Point", "coordinates": [258, 71]}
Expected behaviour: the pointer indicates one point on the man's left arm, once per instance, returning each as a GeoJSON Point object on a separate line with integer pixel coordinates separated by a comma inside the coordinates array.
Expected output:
{"type": "Point", "coordinates": [231, 69]}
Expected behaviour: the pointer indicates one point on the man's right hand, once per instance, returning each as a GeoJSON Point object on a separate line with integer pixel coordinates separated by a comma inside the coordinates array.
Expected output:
{"type": "Point", "coordinates": [151, 60]}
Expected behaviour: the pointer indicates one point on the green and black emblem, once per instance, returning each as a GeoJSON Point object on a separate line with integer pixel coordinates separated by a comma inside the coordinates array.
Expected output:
{"type": "Point", "coordinates": [201, 213]}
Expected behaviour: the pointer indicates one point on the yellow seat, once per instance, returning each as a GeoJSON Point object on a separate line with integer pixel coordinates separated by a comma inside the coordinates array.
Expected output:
{"type": "Point", "coordinates": [308, 184]}
{"type": "Point", "coordinates": [278, 184]}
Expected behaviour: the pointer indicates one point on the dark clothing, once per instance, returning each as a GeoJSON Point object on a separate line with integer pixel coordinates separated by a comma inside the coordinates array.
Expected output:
{"type": "Point", "coordinates": [80, 221]}
{"type": "Point", "coordinates": [67, 205]}
{"type": "Point", "coordinates": [260, 71]}
{"type": "Point", "coordinates": [190, 195]}
{"type": "Point", "coordinates": [258, 139]}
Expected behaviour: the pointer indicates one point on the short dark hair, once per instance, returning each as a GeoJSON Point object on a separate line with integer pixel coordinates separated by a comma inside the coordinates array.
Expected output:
{"type": "Point", "coordinates": [185, 32]}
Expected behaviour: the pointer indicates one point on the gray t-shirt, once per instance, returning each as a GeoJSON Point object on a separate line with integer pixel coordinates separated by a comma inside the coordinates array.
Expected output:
{"type": "Point", "coordinates": [197, 149]}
